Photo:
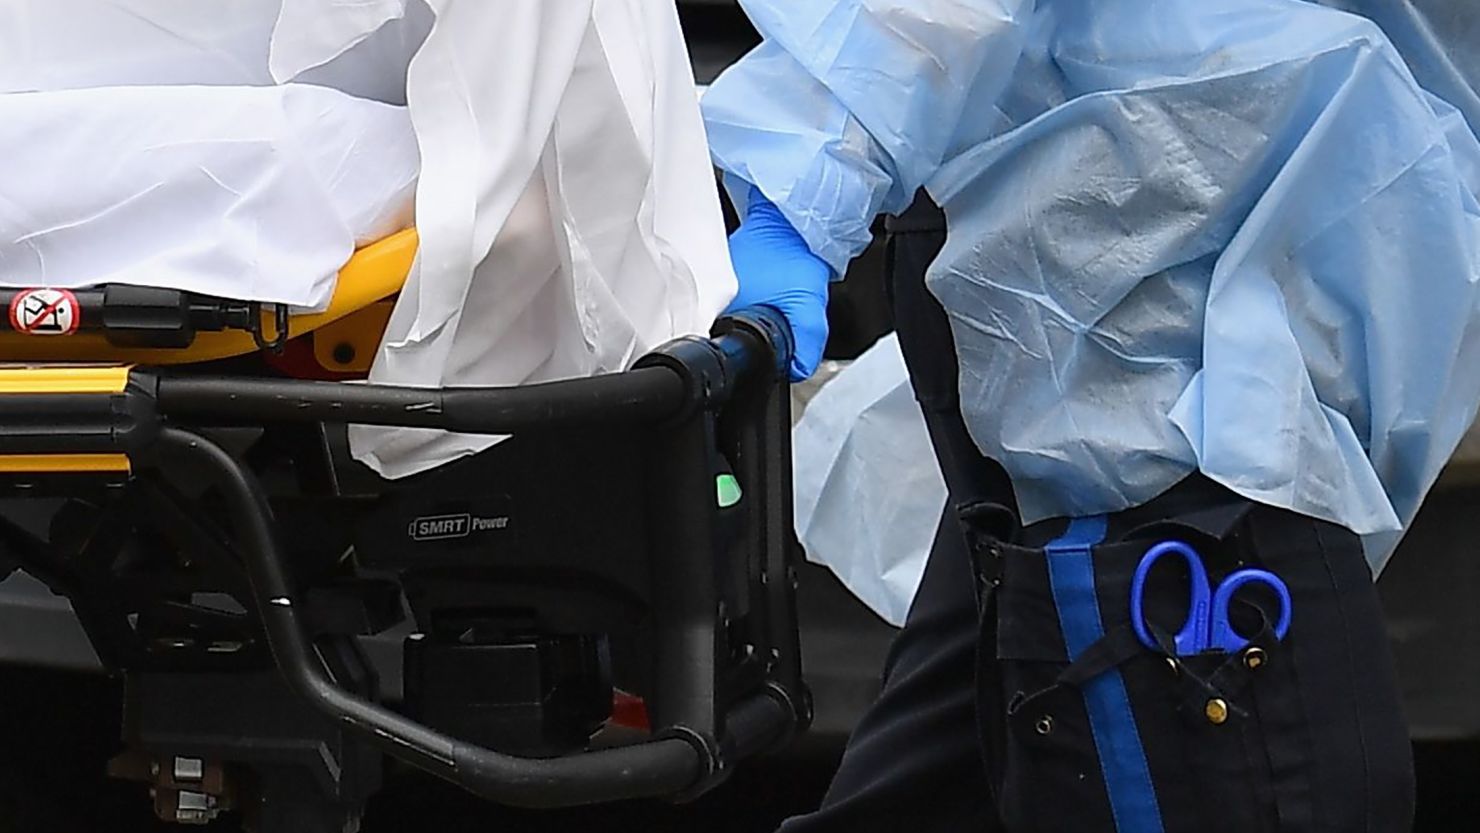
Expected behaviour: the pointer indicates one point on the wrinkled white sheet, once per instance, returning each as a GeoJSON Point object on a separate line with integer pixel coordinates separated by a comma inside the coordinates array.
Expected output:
{"type": "Point", "coordinates": [74, 44]}
{"type": "Point", "coordinates": [565, 204]}
{"type": "Point", "coordinates": [143, 143]}
{"type": "Point", "coordinates": [568, 216]}
{"type": "Point", "coordinates": [868, 492]}
{"type": "Point", "coordinates": [254, 193]}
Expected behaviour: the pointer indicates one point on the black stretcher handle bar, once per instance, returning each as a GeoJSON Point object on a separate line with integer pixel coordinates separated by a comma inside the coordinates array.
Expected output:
{"type": "Point", "coordinates": [680, 374]}
{"type": "Point", "coordinates": [662, 767]}
{"type": "Point", "coordinates": [636, 396]}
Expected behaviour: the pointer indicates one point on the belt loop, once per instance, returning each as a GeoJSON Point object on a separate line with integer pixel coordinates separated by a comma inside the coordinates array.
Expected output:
{"type": "Point", "coordinates": [986, 526]}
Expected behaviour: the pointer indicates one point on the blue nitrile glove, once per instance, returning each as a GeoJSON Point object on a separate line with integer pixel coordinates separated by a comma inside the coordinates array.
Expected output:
{"type": "Point", "coordinates": [776, 269]}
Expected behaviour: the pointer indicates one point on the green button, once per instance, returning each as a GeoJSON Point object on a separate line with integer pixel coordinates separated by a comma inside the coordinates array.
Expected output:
{"type": "Point", "coordinates": [729, 490]}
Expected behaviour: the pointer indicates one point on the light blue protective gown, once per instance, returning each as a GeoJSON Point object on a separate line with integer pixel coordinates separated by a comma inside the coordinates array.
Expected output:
{"type": "Point", "coordinates": [1235, 236]}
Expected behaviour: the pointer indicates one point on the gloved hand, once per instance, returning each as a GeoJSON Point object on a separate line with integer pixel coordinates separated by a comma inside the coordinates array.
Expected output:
{"type": "Point", "coordinates": [776, 269]}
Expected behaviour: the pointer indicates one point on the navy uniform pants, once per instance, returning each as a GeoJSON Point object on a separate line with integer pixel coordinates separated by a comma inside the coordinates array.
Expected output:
{"type": "Point", "coordinates": [998, 714]}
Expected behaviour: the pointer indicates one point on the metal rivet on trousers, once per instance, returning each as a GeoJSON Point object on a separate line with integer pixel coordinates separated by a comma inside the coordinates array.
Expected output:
{"type": "Point", "coordinates": [1255, 657]}
{"type": "Point", "coordinates": [1044, 725]}
{"type": "Point", "coordinates": [1216, 711]}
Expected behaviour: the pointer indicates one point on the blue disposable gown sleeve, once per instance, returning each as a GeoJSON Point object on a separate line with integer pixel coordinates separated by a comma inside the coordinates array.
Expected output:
{"type": "Point", "coordinates": [1238, 238]}
{"type": "Point", "coordinates": [849, 106]}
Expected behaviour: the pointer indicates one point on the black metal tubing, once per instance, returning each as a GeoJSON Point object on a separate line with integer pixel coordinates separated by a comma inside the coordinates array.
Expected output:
{"type": "Point", "coordinates": [660, 767]}
{"type": "Point", "coordinates": [687, 373]}
{"type": "Point", "coordinates": [56, 423]}
{"type": "Point", "coordinates": [685, 597]}
{"type": "Point", "coordinates": [666, 386]}
{"type": "Point", "coordinates": [636, 396]}
{"type": "Point", "coordinates": [683, 374]}
{"type": "Point", "coordinates": [758, 724]}
{"type": "Point", "coordinates": [752, 345]}
{"type": "Point", "coordinates": [763, 460]}
{"type": "Point", "coordinates": [50, 423]}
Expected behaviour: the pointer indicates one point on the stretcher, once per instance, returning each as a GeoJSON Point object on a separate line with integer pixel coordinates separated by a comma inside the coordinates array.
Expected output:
{"type": "Point", "coordinates": [599, 608]}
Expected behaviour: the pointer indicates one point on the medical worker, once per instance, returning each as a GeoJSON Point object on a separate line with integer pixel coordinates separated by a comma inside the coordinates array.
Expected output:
{"type": "Point", "coordinates": [1188, 293]}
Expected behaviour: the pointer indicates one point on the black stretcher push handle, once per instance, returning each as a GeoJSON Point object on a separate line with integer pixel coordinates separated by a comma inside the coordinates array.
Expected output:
{"type": "Point", "coordinates": [756, 342]}
{"type": "Point", "coordinates": [686, 373]}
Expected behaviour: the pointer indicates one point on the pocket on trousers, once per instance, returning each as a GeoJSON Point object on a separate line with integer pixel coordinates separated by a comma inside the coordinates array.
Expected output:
{"type": "Point", "coordinates": [1117, 738]}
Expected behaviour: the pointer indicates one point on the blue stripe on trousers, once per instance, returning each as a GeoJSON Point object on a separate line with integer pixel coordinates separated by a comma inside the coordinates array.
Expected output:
{"type": "Point", "coordinates": [1071, 573]}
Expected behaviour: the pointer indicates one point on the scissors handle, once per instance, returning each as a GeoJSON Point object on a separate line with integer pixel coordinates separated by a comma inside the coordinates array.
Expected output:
{"type": "Point", "coordinates": [1223, 636]}
{"type": "Point", "coordinates": [1194, 636]}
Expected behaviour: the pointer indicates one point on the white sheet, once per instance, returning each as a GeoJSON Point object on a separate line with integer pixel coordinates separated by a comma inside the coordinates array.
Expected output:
{"type": "Point", "coordinates": [254, 193]}
{"type": "Point", "coordinates": [143, 142]}
{"type": "Point", "coordinates": [566, 205]}
{"type": "Point", "coordinates": [74, 44]}
{"type": "Point", "coordinates": [568, 216]}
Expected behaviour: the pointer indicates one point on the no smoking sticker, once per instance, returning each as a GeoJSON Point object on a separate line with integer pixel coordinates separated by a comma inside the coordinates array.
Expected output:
{"type": "Point", "coordinates": [45, 312]}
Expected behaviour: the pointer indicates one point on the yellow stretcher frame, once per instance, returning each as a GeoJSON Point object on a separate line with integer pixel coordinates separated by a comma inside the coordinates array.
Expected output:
{"type": "Point", "coordinates": [375, 273]}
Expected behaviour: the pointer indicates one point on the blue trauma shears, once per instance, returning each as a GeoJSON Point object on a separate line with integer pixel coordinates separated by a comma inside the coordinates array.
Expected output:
{"type": "Point", "coordinates": [1207, 627]}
